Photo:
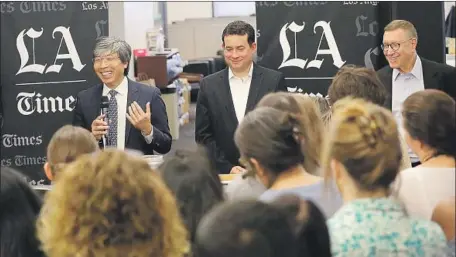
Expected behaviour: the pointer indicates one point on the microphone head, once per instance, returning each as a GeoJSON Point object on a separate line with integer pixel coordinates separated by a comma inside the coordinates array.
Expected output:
{"type": "Point", "coordinates": [104, 102]}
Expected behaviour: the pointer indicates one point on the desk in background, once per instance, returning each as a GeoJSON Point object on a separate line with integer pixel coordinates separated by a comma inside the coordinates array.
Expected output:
{"type": "Point", "coordinates": [451, 59]}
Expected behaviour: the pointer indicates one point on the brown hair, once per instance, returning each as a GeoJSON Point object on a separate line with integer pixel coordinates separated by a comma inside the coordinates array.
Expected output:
{"type": "Point", "coordinates": [322, 103]}
{"type": "Point", "coordinates": [272, 137]}
{"type": "Point", "coordinates": [310, 118]}
{"type": "Point", "coordinates": [402, 24]}
{"type": "Point", "coordinates": [68, 143]}
{"type": "Point", "coordinates": [358, 82]}
{"type": "Point", "coordinates": [111, 204]}
{"type": "Point", "coordinates": [195, 184]}
{"type": "Point", "coordinates": [429, 116]}
{"type": "Point", "coordinates": [364, 138]}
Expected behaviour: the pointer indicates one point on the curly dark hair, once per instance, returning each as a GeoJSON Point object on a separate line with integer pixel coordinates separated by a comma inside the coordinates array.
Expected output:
{"type": "Point", "coordinates": [111, 204]}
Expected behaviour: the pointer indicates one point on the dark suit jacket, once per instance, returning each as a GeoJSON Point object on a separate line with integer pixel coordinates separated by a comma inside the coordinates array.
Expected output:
{"type": "Point", "coordinates": [435, 75]}
{"type": "Point", "coordinates": [216, 119]}
{"type": "Point", "coordinates": [88, 108]}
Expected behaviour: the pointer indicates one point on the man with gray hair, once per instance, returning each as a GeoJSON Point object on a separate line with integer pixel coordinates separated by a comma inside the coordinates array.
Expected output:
{"type": "Point", "coordinates": [136, 114]}
{"type": "Point", "coordinates": [408, 72]}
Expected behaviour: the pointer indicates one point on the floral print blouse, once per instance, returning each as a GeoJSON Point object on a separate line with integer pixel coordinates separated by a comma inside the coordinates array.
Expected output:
{"type": "Point", "coordinates": [377, 227]}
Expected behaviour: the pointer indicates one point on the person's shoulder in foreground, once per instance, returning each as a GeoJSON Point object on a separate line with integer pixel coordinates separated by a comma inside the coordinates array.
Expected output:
{"type": "Point", "coordinates": [242, 188]}
{"type": "Point", "coordinates": [380, 227]}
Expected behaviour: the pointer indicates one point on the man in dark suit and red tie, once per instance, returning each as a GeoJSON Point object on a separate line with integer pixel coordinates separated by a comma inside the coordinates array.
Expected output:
{"type": "Point", "coordinates": [137, 114]}
{"type": "Point", "coordinates": [226, 96]}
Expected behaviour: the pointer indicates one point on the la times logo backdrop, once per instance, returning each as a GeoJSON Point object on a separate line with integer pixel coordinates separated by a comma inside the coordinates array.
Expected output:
{"type": "Point", "coordinates": [310, 41]}
{"type": "Point", "coordinates": [46, 52]}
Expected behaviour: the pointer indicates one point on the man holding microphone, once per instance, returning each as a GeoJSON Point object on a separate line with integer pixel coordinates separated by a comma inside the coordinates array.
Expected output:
{"type": "Point", "coordinates": [136, 113]}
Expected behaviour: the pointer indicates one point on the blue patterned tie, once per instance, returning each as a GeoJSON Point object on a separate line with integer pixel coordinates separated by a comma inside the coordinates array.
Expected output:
{"type": "Point", "coordinates": [112, 115]}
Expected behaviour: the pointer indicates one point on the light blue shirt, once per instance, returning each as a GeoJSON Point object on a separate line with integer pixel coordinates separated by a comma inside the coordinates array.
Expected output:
{"type": "Point", "coordinates": [405, 84]}
{"type": "Point", "coordinates": [244, 188]}
{"type": "Point", "coordinates": [379, 227]}
{"type": "Point", "coordinates": [326, 197]}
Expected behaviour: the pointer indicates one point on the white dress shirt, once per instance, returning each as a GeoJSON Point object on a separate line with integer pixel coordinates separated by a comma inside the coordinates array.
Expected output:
{"type": "Point", "coordinates": [240, 92]}
{"type": "Point", "coordinates": [121, 97]}
{"type": "Point", "coordinates": [405, 84]}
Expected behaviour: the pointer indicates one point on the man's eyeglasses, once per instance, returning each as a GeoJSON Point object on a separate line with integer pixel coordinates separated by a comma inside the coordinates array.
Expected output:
{"type": "Point", "coordinates": [393, 46]}
{"type": "Point", "coordinates": [108, 59]}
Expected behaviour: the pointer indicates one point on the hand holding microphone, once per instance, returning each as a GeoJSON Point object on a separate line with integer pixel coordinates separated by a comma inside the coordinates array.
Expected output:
{"type": "Point", "coordinates": [100, 125]}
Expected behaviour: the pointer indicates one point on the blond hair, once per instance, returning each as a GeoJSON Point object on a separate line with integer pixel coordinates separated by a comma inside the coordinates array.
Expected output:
{"type": "Point", "coordinates": [111, 204]}
{"type": "Point", "coordinates": [364, 138]}
{"type": "Point", "coordinates": [68, 143]}
{"type": "Point", "coordinates": [311, 116]}
{"type": "Point", "coordinates": [404, 25]}
{"type": "Point", "coordinates": [321, 103]}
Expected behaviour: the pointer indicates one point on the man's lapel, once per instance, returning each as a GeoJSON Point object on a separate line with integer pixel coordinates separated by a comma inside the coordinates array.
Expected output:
{"type": "Point", "coordinates": [255, 88]}
{"type": "Point", "coordinates": [388, 83]}
{"type": "Point", "coordinates": [431, 76]}
{"type": "Point", "coordinates": [94, 109]}
{"type": "Point", "coordinates": [133, 94]}
{"type": "Point", "coordinates": [226, 99]}
{"type": "Point", "coordinates": [97, 100]}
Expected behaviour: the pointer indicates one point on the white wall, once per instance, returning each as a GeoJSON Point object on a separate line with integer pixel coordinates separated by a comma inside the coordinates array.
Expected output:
{"type": "Point", "coordinates": [139, 18]}
{"type": "Point", "coordinates": [179, 11]}
{"type": "Point", "coordinates": [116, 19]}
{"type": "Point", "coordinates": [233, 9]}
{"type": "Point", "coordinates": [130, 21]}
{"type": "Point", "coordinates": [447, 6]}
{"type": "Point", "coordinates": [196, 38]}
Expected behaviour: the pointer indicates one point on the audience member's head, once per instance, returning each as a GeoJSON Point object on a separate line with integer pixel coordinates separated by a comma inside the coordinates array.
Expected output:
{"type": "Point", "coordinates": [357, 82]}
{"type": "Point", "coordinates": [445, 215]}
{"type": "Point", "coordinates": [309, 224]}
{"type": "Point", "coordinates": [271, 142]}
{"type": "Point", "coordinates": [429, 123]}
{"type": "Point", "coordinates": [20, 206]}
{"type": "Point", "coordinates": [66, 145]}
{"type": "Point", "coordinates": [195, 184]}
{"type": "Point", "coordinates": [363, 151]}
{"type": "Point", "coordinates": [111, 204]}
{"type": "Point", "coordinates": [322, 103]}
{"type": "Point", "coordinates": [399, 45]}
{"type": "Point", "coordinates": [245, 229]}
{"type": "Point", "coordinates": [310, 120]}
{"type": "Point", "coordinates": [238, 42]}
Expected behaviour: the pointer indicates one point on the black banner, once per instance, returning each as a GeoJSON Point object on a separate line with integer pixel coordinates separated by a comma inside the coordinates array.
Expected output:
{"type": "Point", "coordinates": [310, 41]}
{"type": "Point", "coordinates": [46, 52]}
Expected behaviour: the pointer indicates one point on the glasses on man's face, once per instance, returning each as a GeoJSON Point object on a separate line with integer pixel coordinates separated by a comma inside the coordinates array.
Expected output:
{"type": "Point", "coordinates": [393, 46]}
{"type": "Point", "coordinates": [107, 59]}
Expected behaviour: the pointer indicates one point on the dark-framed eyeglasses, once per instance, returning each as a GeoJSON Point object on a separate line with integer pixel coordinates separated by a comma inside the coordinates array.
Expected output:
{"type": "Point", "coordinates": [108, 59]}
{"type": "Point", "coordinates": [394, 46]}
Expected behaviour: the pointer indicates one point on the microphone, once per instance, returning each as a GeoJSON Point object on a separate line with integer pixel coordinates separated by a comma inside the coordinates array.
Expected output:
{"type": "Point", "coordinates": [104, 105]}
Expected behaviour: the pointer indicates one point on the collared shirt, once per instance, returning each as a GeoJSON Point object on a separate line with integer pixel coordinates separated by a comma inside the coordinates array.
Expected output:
{"type": "Point", "coordinates": [240, 91]}
{"type": "Point", "coordinates": [121, 97]}
{"type": "Point", "coordinates": [405, 84]}
{"type": "Point", "coordinates": [378, 227]}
